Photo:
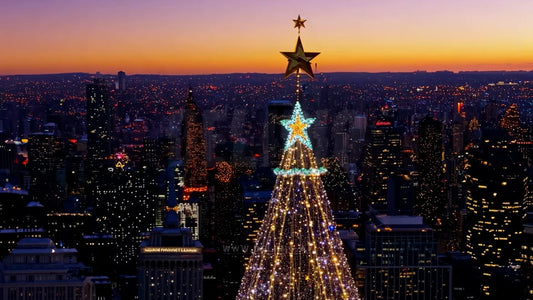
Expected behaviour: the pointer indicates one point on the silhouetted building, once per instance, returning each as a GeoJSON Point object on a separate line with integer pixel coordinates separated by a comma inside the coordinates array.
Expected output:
{"type": "Point", "coordinates": [36, 269]}
{"type": "Point", "coordinates": [120, 84]}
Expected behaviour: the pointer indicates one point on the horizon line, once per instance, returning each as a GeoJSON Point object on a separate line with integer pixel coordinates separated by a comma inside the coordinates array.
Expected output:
{"type": "Point", "coordinates": [265, 73]}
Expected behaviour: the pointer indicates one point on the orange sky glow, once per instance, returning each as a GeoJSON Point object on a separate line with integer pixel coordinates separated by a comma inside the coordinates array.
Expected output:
{"type": "Point", "coordinates": [208, 36]}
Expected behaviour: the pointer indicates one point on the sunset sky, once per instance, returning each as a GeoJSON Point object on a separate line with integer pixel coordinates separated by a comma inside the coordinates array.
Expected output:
{"type": "Point", "coordinates": [227, 36]}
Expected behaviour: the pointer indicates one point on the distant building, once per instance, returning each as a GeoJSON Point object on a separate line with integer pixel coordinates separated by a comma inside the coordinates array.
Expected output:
{"type": "Point", "coordinates": [36, 269]}
{"type": "Point", "coordinates": [401, 261]}
{"type": "Point", "coordinates": [120, 84]}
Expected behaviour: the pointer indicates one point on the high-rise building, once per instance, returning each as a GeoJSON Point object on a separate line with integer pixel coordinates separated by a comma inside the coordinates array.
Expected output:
{"type": "Point", "coordinates": [401, 261]}
{"type": "Point", "coordinates": [170, 261]}
{"type": "Point", "coordinates": [36, 269]}
{"type": "Point", "coordinates": [511, 122]}
{"type": "Point", "coordinates": [45, 162]}
{"type": "Point", "coordinates": [382, 159]}
{"type": "Point", "coordinates": [125, 207]}
{"type": "Point", "coordinates": [120, 84]}
{"type": "Point", "coordinates": [195, 178]}
{"type": "Point", "coordinates": [99, 136]}
{"type": "Point", "coordinates": [430, 199]}
{"type": "Point", "coordinates": [495, 192]}
{"type": "Point", "coordinates": [99, 123]}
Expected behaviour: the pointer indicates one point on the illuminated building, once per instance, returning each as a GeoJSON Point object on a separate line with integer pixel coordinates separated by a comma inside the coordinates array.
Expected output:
{"type": "Point", "coordinates": [255, 203]}
{"type": "Point", "coordinates": [430, 200]}
{"type": "Point", "coordinates": [401, 261]}
{"type": "Point", "coordinates": [195, 178]}
{"type": "Point", "coordinates": [125, 207]}
{"type": "Point", "coordinates": [382, 159]}
{"type": "Point", "coordinates": [526, 254]}
{"type": "Point", "coordinates": [495, 190]}
{"type": "Point", "coordinates": [511, 122]}
{"type": "Point", "coordinates": [170, 261]}
{"type": "Point", "coordinates": [277, 110]}
{"type": "Point", "coordinates": [46, 162]}
{"type": "Point", "coordinates": [187, 210]}
{"type": "Point", "coordinates": [99, 123]}
{"type": "Point", "coordinates": [36, 269]}
{"type": "Point", "coordinates": [68, 228]}
{"type": "Point", "coordinates": [99, 138]}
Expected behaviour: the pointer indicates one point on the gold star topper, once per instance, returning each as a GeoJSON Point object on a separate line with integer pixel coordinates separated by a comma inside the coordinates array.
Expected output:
{"type": "Point", "coordinates": [298, 23]}
{"type": "Point", "coordinates": [299, 59]}
{"type": "Point", "coordinates": [297, 127]}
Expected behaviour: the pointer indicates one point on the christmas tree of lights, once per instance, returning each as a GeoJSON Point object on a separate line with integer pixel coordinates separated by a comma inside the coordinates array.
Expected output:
{"type": "Point", "coordinates": [298, 253]}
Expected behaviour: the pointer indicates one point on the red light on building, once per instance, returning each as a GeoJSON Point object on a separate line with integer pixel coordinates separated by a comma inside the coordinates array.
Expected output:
{"type": "Point", "coordinates": [383, 123]}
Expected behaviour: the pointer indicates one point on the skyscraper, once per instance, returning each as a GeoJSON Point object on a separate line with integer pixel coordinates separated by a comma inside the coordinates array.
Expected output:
{"type": "Point", "coordinates": [381, 160]}
{"type": "Point", "coordinates": [99, 123]}
{"type": "Point", "coordinates": [120, 84]}
{"type": "Point", "coordinates": [495, 191]}
{"type": "Point", "coordinates": [170, 261]}
{"type": "Point", "coordinates": [430, 200]}
{"type": "Point", "coordinates": [195, 178]}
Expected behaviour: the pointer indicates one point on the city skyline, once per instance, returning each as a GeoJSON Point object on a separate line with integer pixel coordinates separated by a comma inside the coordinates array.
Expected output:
{"type": "Point", "coordinates": [209, 37]}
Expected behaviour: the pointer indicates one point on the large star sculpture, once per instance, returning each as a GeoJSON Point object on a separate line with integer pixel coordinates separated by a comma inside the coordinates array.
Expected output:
{"type": "Point", "coordinates": [297, 127]}
{"type": "Point", "coordinates": [299, 59]}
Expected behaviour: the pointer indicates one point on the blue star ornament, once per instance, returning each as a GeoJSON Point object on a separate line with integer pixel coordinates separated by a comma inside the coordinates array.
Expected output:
{"type": "Point", "coordinates": [297, 127]}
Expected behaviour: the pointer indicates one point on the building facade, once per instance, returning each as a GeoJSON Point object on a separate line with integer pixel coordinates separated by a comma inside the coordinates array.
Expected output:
{"type": "Point", "coordinates": [36, 269]}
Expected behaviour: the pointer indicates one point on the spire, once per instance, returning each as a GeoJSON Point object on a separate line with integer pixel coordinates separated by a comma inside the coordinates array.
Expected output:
{"type": "Point", "coordinates": [299, 59]}
{"type": "Point", "coordinates": [171, 217]}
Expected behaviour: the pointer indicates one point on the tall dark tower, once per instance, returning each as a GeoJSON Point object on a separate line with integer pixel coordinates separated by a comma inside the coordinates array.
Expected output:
{"type": "Point", "coordinates": [195, 179]}
{"type": "Point", "coordinates": [381, 160]}
{"type": "Point", "coordinates": [430, 201]}
{"type": "Point", "coordinates": [99, 123]}
{"type": "Point", "coordinates": [495, 193]}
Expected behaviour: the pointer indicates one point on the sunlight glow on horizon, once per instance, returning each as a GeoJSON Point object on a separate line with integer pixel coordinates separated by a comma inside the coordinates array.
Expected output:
{"type": "Point", "coordinates": [237, 36]}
